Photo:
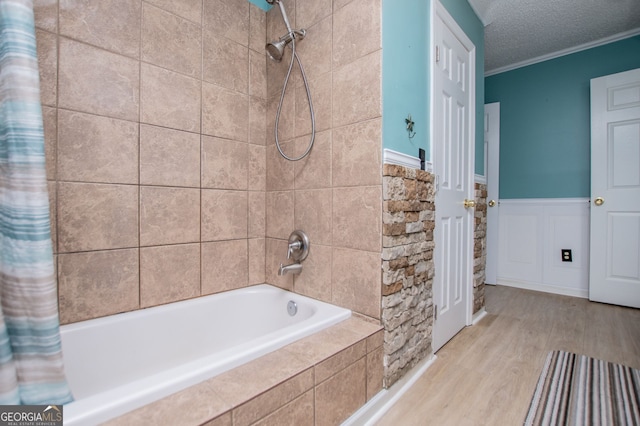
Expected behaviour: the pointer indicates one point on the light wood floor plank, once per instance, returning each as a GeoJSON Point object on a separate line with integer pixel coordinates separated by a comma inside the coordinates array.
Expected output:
{"type": "Point", "coordinates": [486, 375]}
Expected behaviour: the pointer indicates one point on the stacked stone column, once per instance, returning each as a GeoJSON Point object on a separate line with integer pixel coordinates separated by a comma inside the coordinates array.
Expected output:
{"type": "Point", "coordinates": [480, 246]}
{"type": "Point", "coordinates": [407, 268]}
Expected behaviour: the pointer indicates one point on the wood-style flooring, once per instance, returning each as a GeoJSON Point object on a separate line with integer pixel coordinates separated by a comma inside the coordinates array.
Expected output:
{"type": "Point", "coordinates": [486, 374]}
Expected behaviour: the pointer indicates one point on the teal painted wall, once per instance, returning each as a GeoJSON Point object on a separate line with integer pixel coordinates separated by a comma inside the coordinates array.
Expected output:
{"type": "Point", "coordinates": [405, 76]}
{"type": "Point", "coordinates": [545, 120]}
{"type": "Point", "coordinates": [262, 4]}
{"type": "Point", "coordinates": [405, 72]}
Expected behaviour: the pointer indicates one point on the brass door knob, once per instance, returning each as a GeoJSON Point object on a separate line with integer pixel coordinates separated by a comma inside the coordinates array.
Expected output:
{"type": "Point", "coordinates": [599, 201]}
{"type": "Point", "coordinates": [492, 203]}
{"type": "Point", "coordinates": [469, 204]}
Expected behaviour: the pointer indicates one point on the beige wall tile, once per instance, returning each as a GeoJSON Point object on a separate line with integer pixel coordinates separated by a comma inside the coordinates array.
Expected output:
{"type": "Point", "coordinates": [169, 215]}
{"type": "Point", "coordinates": [375, 372]}
{"type": "Point", "coordinates": [96, 81]}
{"type": "Point", "coordinates": [320, 89]}
{"type": "Point", "coordinates": [357, 218]}
{"type": "Point", "coordinates": [273, 399]}
{"type": "Point", "coordinates": [257, 121]}
{"type": "Point", "coordinates": [169, 157]}
{"type": "Point", "coordinates": [97, 217]}
{"type": "Point", "coordinates": [225, 266]}
{"type": "Point", "coordinates": [92, 148]}
{"type": "Point", "coordinates": [111, 24]}
{"type": "Point", "coordinates": [188, 9]}
{"type": "Point", "coordinates": [279, 214]}
{"type": "Point", "coordinates": [50, 124]}
{"type": "Point", "coordinates": [315, 279]}
{"type": "Point", "coordinates": [257, 168]}
{"type": "Point", "coordinates": [223, 420]}
{"type": "Point", "coordinates": [300, 411]}
{"type": "Point", "coordinates": [224, 215]}
{"type": "Point", "coordinates": [340, 361]}
{"type": "Point", "coordinates": [169, 274]}
{"type": "Point", "coordinates": [226, 63]}
{"type": "Point", "coordinates": [224, 163]}
{"type": "Point", "coordinates": [258, 74]}
{"type": "Point", "coordinates": [280, 172]}
{"type": "Point", "coordinates": [257, 250]}
{"type": "Point", "coordinates": [228, 18]}
{"type": "Point", "coordinates": [313, 214]}
{"type": "Point", "coordinates": [46, 14]}
{"type": "Point", "coordinates": [96, 284]}
{"type": "Point", "coordinates": [315, 50]}
{"type": "Point", "coordinates": [276, 254]}
{"type": "Point", "coordinates": [224, 113]}
{"type": "Point", "coordinates": [356, 281]}
{"type": "Point", "coordinates": [357, 154]}
{"type": "Point", "coordinates": [356, 90]}
{"type": "Point", "coordinates": [350, 385]}
{"type": "Point", "coordinates": [286, 122]}
{"type": "Point", "coordinates": [257, 28]}
{"type": "Point", "coordinates": [170, 41]}
{"type": "Point", "coordinates": [314, 171]}
{"type": "Point", "coordinates": [47, 47]}
{"type": "Point", "coordinates": [356, 31]}
{"type": "Point", "coordinates": [338, 4]}
{"type": "Point", "coordinates": [310, 12]}
{"type": "Point", "coordinates": [169, 99]}
{"type": "Point", "coordinates": [257, 214]}
{"type": "Point", "coordinates": [53, 214]}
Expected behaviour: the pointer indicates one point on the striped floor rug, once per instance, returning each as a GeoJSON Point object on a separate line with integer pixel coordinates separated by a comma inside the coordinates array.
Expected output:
{"type": "Point", "coordinates": [578, 390]}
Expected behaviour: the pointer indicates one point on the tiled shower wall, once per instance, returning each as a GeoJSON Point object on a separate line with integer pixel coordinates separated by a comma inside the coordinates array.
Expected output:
{"type": "Point", "coordinates": [164, 179]}
{"type": "Point", "coordinates": [335, 194]}
{"type": "Point", "coordinates": [155, 140]}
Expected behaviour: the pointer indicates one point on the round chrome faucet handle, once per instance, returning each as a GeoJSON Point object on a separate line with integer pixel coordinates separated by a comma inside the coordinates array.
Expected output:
{"type": "Point", "coordinates": [298, 246]}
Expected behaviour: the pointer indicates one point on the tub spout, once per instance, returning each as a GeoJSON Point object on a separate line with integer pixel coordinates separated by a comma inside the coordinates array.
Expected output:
{"type": "Point", "coordinates": [296, 268]}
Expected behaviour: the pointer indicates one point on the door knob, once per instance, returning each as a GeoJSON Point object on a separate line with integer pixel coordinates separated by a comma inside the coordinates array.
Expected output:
{"type": "Point", "coordinates": [492, 203]}
{"type": "Point", "coordinates": [599, 201]}
{"type": "Point", "coordinates": [469, 204]}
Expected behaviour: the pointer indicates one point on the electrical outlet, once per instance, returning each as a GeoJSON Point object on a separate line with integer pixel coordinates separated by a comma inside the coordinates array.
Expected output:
{"type": "Point", "coordinates": [566, 255]}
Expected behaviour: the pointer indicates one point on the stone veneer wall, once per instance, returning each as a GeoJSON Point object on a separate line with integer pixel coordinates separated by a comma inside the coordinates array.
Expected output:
{"type": "Point", "coordinates": [407, 268]}
{"type": "Point", "coordinates": [480, 246]}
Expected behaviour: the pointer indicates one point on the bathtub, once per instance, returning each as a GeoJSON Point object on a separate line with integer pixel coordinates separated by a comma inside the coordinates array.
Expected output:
{"type": "Point", "coordinates": [122, 362]}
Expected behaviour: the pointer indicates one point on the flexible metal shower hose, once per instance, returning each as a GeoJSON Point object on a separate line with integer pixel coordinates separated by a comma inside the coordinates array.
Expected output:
{"type": "Point", "coordinates": [294, 56]}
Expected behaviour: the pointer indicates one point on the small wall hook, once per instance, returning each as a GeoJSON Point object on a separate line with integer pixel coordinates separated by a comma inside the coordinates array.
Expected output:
{"type": "Point", "coordinates": [410, 123]}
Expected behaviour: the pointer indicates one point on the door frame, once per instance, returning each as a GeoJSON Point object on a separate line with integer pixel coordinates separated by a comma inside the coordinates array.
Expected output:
{"type": "Point", "coordinates": [438, 10]}
{"type": "Point", "coordinates": [492, 173]}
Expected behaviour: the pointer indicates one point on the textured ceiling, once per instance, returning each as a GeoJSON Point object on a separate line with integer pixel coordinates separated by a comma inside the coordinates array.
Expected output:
{"type": "Point", "coordinates": [517, 31]}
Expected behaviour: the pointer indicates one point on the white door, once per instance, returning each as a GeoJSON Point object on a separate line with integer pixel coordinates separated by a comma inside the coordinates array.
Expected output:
{"type": "Point", "coordinates": [492, 172]}
{"type": "Point", "coordinates": [453, 130]}
{"type": "Point", "coordinates": [615, 189]}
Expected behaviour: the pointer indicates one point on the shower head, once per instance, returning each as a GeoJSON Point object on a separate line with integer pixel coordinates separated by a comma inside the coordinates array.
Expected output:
{"type": "Point", "coordinates": [275, 49]}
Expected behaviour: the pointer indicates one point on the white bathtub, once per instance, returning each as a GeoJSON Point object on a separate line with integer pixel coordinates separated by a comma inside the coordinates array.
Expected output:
{"type": "Point", "coordinates": [122, 362]}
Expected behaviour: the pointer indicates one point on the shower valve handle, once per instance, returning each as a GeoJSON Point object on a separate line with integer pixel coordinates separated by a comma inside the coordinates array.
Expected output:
{"type": "Point", "coordinates": [293, 246]}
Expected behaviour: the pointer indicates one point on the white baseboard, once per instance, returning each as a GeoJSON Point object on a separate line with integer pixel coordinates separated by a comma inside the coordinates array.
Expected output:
{"type": "Point", "coordinates": [478, 316]}
{"type": "Point", "coordinates": [377, 406]}
{"type": "Point", "coordinates": [545, 288]}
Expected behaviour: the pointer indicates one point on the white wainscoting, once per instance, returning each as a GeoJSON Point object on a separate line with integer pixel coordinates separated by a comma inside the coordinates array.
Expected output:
{"type": "Point", "coordinates": [531, 235]}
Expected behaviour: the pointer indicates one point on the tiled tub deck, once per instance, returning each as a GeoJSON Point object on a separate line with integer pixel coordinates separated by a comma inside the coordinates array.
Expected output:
{"type": "Point", "coordinates": [318, 380]}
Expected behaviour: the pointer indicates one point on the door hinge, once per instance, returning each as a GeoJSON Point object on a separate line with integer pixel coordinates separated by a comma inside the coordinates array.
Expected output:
{"type": "Point", "coordinates": [437, 182]}
{"type": "Point", "coordinates": [435, 312]}
{"type": "Point", "coordinates": [437, 54]}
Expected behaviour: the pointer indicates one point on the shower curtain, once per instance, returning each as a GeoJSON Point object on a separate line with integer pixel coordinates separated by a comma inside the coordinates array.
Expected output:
{"type": "Point", "coordinates": [31, 368]}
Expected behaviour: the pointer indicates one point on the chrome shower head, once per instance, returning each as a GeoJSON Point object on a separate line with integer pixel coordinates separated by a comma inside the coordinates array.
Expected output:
{"type": "Point", "coordinates": [275, 49]}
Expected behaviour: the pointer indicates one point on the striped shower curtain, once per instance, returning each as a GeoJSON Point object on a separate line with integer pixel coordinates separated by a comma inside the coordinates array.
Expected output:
{"type": "Point", "coordinates": [31, 368]}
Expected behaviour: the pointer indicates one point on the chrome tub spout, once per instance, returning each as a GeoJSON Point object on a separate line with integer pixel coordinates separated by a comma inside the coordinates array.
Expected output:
{"type": "Point", "coordinates": [296, 268]}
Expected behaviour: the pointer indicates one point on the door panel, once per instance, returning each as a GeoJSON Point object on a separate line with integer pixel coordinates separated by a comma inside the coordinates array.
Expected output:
{"type": "Point", "coordinates": [453, 166]}
{"type": "Point", "coordinates": [615, 184]}
{"type": "Point", "coordinates": [492, 172]}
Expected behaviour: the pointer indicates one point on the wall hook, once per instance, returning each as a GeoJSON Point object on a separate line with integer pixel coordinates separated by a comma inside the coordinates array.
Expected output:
{"type": "Point", "coordinates": [410, 123]}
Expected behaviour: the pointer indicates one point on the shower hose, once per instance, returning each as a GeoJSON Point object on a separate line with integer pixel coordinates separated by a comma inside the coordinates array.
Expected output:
{"type": "Point", "coordinates": [294, 56]}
